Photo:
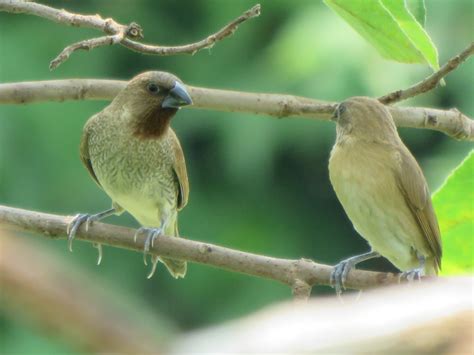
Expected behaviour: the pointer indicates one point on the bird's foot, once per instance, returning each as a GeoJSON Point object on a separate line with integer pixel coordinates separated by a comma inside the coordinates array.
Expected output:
{"type": "Point", "coordinates": [74, 225]}
{"type": "Point", "coordinates": [339, 275]}
{"type": "Point", "coordinates": [340, 271]}
{"type": "Point", "coordinates": [151, 235]}
{"type": "Point", "coordinates": [416, 273]}
{"type": "Point", "coordinates": [412, 275]}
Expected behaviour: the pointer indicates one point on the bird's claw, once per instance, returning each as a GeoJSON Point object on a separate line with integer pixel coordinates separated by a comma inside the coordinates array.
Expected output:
{"type": "Point", "coordinates": [99, 249]}
{"type": "Point", "coordinates": [74, 225]}
{"type": "Point", "coordinates": [412, 275]}
{"type": "Point", "coordinates": [154, 262]}
{"type": "Point", "coordinates": [339, 275]}
{"type": "Point", "coordinates": [151, 235]}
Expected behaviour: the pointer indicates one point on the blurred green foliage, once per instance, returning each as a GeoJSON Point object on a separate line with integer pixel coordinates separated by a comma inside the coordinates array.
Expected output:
{"type": "Point", "coordinates": [257, 184]}
{"type": "Point", "coordinates": [454, 203]}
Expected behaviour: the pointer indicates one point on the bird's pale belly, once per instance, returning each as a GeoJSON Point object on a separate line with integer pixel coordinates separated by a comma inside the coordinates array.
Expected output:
{"type": "Point", "coordinates": [374, 209]}
{"type": "Point", "coordinates": [150, 201]}
{"type": "Point", "coordinates": [143, 209]}
{"type": "Point", "coordinates": [382, 228]}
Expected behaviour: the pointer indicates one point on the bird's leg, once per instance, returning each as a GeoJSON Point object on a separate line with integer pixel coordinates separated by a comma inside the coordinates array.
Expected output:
{"type": "Point", "coordinates": [415, 273]}
{"type": "Point", "coordinates": [80, 218]}
{"type": "Point", "coordinates": [151, 235]}
{"type": "Point", "coordinates": [341, 270]}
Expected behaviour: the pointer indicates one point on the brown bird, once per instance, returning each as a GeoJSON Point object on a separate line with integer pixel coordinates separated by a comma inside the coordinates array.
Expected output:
{"type": "Point", "coordinates": [132, 153]}
{"type": "Point", "coordinates": [383, 191]}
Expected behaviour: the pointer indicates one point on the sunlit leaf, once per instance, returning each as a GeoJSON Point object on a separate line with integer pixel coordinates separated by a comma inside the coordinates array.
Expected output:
{"type": "Point", "coordinates": [390, 28]}
{"type": "Point", "coordinates": [417, 9]}
{"type": "Point", "coordinates": [454, 205]}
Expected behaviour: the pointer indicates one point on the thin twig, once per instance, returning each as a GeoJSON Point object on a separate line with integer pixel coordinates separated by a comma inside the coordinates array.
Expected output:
{"type": "Point", "coordinates": [192, 48]}
{"type": "Point", "coordinates": [450, 122]}
{"type": "Point", "coordinates": [116, 32]}
{"type": "Point", "coordinates": [283, 270]}
{"type": "Point", "coordinates": [431, 81]}
{"type": "Point", "coordinates": [88, 44]}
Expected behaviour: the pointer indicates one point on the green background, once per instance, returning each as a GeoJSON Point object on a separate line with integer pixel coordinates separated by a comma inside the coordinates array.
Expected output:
{"type": "Point", "coordinates": [257, 184]}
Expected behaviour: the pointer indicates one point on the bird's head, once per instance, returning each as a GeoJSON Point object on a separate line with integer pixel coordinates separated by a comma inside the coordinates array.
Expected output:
{"type": "Point", "coordinates": [364, 117]}
{"type": "Point", "coordinates": [152, 99]}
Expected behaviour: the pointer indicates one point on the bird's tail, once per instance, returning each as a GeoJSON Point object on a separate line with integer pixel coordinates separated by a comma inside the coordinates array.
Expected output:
{"type": "Point", "coordinates": [177, 268]}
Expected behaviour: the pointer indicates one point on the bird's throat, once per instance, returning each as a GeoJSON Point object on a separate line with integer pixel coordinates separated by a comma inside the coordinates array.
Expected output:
{"type": "Point", "coordinates": [154, 124]}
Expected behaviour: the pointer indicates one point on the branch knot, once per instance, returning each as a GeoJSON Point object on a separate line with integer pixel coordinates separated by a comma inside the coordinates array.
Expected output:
{"type": "Point", "coordinates": [134, 30]}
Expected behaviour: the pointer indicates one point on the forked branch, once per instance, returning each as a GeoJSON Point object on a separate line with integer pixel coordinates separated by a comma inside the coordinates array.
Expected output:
{"type": "Point", "coordinates": [116, 33]}
{"type": "Point", "coordinates": [431, 81]}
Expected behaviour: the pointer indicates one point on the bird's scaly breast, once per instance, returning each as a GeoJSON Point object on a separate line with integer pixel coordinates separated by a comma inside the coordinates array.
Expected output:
{"type": "Point", "coordinates": [137, 174]}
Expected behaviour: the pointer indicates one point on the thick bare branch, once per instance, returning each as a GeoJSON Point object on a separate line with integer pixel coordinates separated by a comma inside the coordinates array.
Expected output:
{"type": "Point", "coordinates": [451, 122]}
{"type": "Point", "coordinates": [434, 317]}
{"type": "Point", "coordinates": [59, 90]}
{"type": "Point", "coordinates": [283, 270]}
{"type": "Point", "coordinates": [75, 306]}
{"type": "Point", "coordinates": [431, 81]}
{"type": "Point", "coordinates": [116, 32]}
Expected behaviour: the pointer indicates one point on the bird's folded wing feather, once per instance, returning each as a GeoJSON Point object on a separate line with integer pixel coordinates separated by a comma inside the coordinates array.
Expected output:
{"type": "Point", "coordinates": [84, 154]}
{"type": "Point", "coordinates": [413, 186]}
{"type": "Point", "coordinates": [179, 168]}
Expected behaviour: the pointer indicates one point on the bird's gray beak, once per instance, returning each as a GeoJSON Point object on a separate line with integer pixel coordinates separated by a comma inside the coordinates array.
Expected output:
{"type": "Point", "coordinates": [177, 97]}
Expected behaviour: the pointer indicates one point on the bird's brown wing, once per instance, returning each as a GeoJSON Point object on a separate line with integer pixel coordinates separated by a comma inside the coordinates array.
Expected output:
{"type": "Point", "coordinates": [84, 154]}
{"type": "Point", "coordinates": [179, 169]}
{"type": "Point", "coordinates": [413, 185]}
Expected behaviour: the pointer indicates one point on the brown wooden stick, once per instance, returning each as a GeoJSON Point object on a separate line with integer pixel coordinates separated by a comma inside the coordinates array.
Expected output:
{"type": "Point", "coordinates": [289, 272]}
{"type": "Point", "coordinates": [450, 122]}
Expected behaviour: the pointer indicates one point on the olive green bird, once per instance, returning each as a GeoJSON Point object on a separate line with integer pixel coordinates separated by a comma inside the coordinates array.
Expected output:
{"type": "Point", "coordinates": [133, 154]}
{"type": "Point", "coordinates": [383, 192]}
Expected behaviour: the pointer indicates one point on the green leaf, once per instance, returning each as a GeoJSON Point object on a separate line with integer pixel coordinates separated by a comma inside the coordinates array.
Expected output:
{"type": "Point", "coordinates": [390, 28]}
{"type": "Point", "coordinates": [454, 205]}
{"type": "Point", "coordinates": [417, 8]}
{"type": "Point", "coordinates": [413, 30]}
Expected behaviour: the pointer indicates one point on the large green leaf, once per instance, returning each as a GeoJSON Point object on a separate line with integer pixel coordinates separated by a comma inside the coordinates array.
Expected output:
{"type": "Point", "coordinates": [417, 9]}
{"type": "Point", "coordinates": [390, 28]}
{"type": "Point", "coordinates": [454, 205]}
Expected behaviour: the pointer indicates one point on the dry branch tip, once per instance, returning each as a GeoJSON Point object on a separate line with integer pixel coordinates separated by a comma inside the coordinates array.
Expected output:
{"type": "Point", "coordinates": [116, 32]}
{"type": "Point", "coordinates": [430, 82]}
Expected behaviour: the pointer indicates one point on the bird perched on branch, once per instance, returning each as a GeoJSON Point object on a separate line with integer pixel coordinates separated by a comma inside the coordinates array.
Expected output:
{"type": "Point", "coordinates": [132, 153]}
{"type": "Point", "coordinates": [383, 191]}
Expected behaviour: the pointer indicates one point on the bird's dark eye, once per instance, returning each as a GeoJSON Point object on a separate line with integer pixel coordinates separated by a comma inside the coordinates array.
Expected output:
{"type": "Point", "coordinates": [341, 109]}
{"type": "Point", "coordinates": [153, 88]}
